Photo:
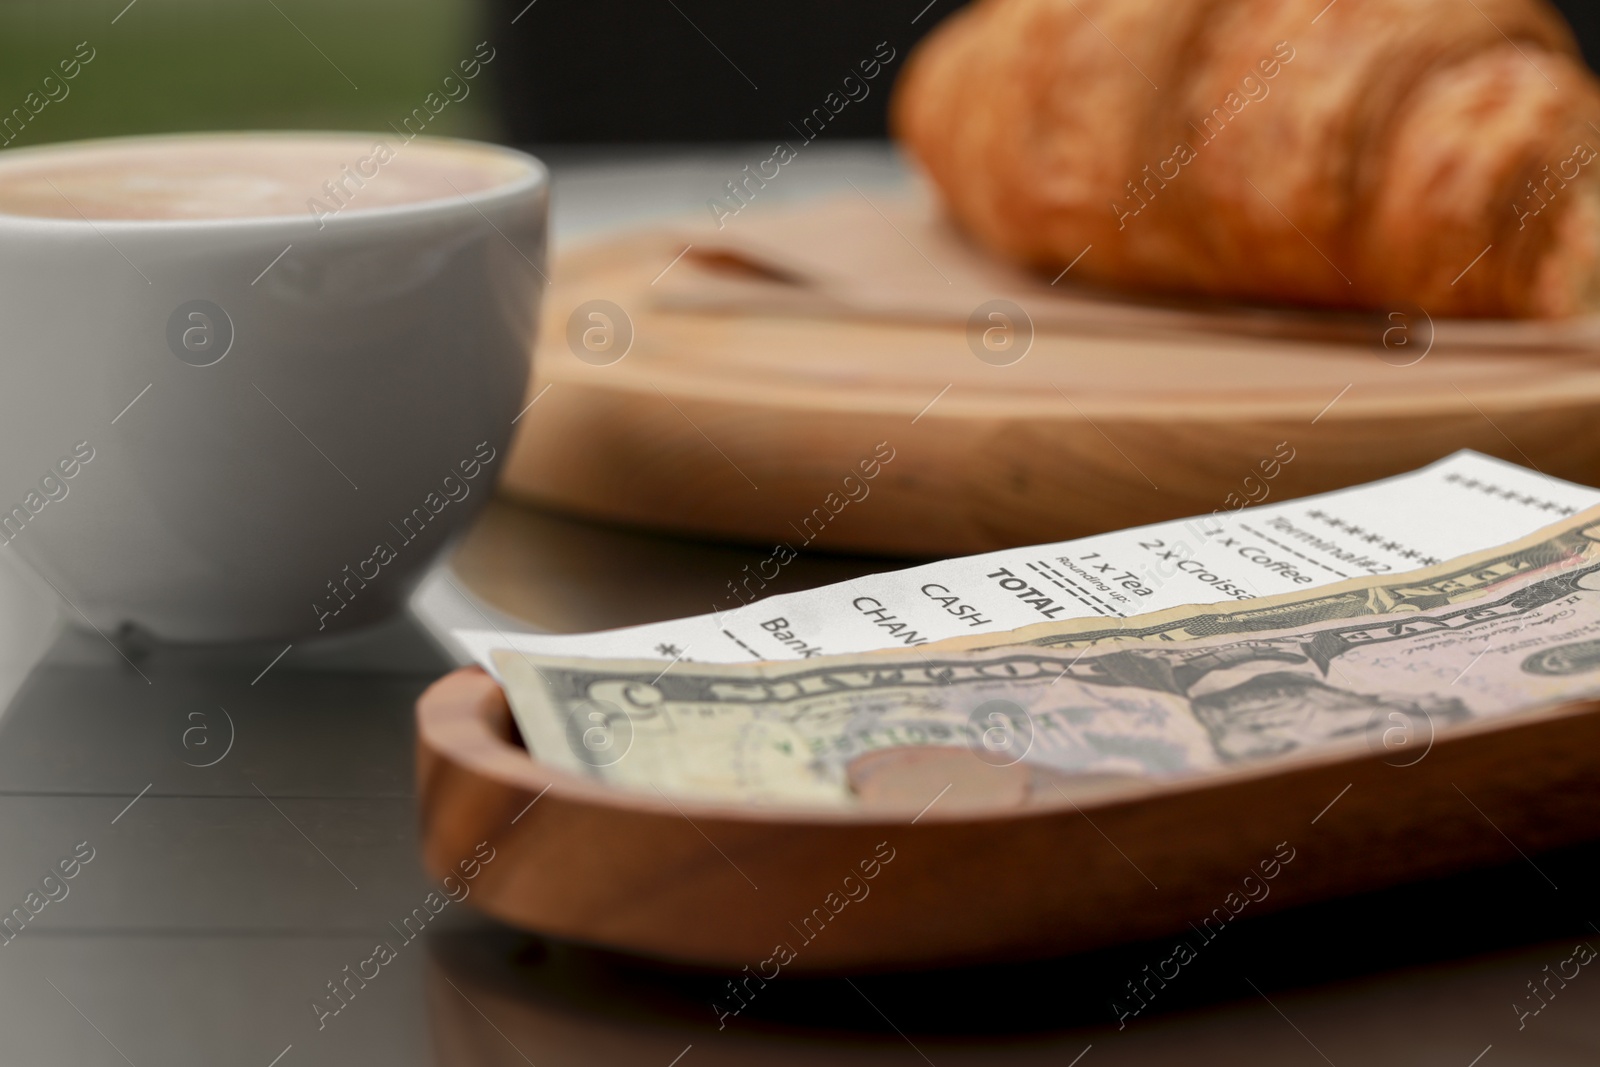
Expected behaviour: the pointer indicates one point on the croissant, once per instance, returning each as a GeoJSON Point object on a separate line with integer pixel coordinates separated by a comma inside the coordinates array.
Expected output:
{"type": "Point", "coordinates": [1359, 154]}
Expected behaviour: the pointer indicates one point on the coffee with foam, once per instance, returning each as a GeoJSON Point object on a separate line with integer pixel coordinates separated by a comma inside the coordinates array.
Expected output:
{"type": "Point", "coordinates": [228, 176]}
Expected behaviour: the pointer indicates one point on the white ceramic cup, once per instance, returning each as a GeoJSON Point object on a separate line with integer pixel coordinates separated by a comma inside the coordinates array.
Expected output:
{"type": "Point", "coordinates": [261, 427]}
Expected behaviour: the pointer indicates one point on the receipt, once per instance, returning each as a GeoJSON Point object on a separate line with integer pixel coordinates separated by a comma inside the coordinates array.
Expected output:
{"type": "Point", "coordinates": [1463, 504]}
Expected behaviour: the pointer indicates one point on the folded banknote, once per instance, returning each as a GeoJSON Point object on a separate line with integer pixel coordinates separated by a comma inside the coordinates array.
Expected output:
{"type": "Point", "coordinates": [1383, 661]}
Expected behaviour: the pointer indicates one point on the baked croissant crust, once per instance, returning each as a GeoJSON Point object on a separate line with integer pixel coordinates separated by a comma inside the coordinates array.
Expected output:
{"type": "Point", "coordinates": [1360, 154]}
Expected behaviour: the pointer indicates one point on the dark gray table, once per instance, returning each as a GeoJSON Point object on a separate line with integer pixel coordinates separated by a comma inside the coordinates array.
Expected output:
{"type": "Point", "coordinates": [221, 900]}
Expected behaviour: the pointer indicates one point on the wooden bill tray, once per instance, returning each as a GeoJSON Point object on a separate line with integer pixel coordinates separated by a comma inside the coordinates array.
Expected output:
{"type": "Point", "coordinates": [993, 870]}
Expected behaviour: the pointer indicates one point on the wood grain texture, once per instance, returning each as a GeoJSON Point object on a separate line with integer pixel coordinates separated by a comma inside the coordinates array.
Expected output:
{"type": "Point", "coordinates": [1003, 874]}
{"type": "Point", "coordinates": [739, 426]}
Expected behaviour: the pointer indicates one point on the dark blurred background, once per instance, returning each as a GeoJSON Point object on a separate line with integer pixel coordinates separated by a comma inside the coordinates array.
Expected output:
{"type": "Point", "coordinates": [701, 70]}
{"type": "Point", "coordinates": [564, 71]}
{"type": "Point", "coordinates": [707, 70]}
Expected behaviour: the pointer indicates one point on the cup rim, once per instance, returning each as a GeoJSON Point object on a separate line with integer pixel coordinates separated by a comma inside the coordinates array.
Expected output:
{"type": "Point", "coordinates": [535, 178]}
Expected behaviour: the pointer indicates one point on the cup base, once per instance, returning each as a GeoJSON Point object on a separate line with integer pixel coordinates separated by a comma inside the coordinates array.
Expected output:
{"type": "Point", "coordinates": [223, 627]}
{"type": "Point", "coordinates": [398, 645]}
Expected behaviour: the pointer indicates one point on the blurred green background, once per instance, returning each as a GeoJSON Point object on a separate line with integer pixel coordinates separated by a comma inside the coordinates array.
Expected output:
{"type": "Point", "coordinates": [241, 64]}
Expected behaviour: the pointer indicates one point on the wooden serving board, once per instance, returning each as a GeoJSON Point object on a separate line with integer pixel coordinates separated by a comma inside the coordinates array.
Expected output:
{"type": "Point", "coordinates": [739, 426]}
{"type": "Point", "coordinates": [998, 868]}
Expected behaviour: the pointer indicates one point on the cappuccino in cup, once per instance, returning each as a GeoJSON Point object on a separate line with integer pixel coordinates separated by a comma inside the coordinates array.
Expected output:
{"type": "Point", "coordinates": [242, 176]}
{"type": "Point", "coordinates": [294, 359]}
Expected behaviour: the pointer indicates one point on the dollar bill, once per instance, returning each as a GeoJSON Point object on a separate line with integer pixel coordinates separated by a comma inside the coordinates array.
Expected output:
{"type": "Point", "coordinates": [1177, 693]}
{"type": "Point", "coordinates": [1451, 582]}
